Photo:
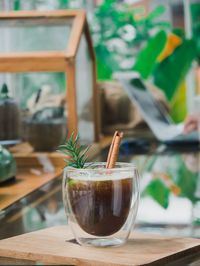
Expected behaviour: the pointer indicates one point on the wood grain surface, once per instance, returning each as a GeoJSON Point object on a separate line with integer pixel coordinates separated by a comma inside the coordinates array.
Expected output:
{"type": "Point", "coordinates": [39, 14]}
{"type": "Point", "coordinates": [26, 181]}
{"type": "Point", "coordinates": [50, 246]}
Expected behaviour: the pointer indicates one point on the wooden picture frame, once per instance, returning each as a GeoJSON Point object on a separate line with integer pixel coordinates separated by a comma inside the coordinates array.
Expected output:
{"type": "Point", "coordinates": [55, 61]}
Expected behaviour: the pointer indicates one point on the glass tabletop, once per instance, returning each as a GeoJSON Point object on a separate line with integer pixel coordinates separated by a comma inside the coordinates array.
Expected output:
{"type": "Point", "coordinates": [170, 194]}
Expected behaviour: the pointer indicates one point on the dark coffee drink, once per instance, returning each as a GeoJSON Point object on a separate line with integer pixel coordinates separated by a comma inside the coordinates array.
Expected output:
{"type": "Point", "coordinates": [101, 207]}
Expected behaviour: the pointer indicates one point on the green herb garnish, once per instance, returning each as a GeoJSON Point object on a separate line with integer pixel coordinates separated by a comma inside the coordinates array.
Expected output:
{"type": "Point", "coordinates": [78, 157]}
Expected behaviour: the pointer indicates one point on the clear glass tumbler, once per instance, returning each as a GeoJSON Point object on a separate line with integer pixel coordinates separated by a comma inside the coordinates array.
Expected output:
{"type": "Point", "coordinates": [101, 204]}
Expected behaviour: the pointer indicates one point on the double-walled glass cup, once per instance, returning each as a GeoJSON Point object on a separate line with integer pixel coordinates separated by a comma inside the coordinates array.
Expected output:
{"type": "Point", "coordinates": [101, 204]}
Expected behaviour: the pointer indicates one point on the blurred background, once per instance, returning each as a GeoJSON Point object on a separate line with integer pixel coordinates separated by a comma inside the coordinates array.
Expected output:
{"type": "Point", "coordinates": [149, 36]}
{"type": "Point", "coordinates": [160, 40]}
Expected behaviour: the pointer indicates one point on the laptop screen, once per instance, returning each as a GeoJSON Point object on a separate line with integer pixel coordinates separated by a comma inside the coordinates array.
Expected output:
{"type": "Point", "coordinates": [147, 104]}
{"type": "Point", "coordinates": [153, 112]}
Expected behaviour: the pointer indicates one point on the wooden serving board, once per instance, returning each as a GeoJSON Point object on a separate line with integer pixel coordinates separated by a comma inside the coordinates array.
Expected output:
{"type": "Point", "coordinates": [24, 183]}
{"type": "Point", "coordinates": [49, 246]}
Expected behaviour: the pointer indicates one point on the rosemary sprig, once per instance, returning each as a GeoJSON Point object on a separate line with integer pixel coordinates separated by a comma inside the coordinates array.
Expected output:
{"type": "Point", "coordinates": [78, 157]}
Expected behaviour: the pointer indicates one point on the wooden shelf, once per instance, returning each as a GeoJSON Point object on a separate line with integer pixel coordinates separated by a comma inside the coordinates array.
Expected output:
{"type": "Point", "coordinates": [29, 163]}
{"type": "Point", "coordinates": [24, 183]}
{"type": "Point", "coordinates": [26, 157]}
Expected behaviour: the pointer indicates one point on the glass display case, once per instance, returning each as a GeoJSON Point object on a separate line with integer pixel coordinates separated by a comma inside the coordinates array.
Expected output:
{"type": "Point", "coordinates": [48, 63]}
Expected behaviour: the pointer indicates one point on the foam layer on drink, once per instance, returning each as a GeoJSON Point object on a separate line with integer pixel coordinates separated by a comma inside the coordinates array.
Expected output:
{"type": "Point", "coordinates": [104, 176]}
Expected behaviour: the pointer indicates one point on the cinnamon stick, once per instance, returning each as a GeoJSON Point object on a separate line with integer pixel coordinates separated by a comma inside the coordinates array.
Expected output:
{"type": "Point", "coordinates": [114, 149]}
{"type": "Point", "coordinates": [111, 149]}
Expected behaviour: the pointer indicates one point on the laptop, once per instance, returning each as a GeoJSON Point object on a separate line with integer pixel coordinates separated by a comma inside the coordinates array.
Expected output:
{"type": "Point", "coordinates": [153, 112]}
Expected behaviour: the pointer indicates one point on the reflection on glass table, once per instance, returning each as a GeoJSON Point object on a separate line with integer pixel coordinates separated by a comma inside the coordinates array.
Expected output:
{"type": "Point", "coordinates": [42, 208]}
{"type": "Point", "coordinates": [170, 198]}
{"type": "Point", "coordinates": [170, 193]}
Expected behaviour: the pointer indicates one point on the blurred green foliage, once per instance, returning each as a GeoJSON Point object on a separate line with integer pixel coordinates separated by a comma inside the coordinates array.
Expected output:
{"type": "Point", "coordinates": [174, 166]}
{"type": "Point", "coordinates": [184, 178]}
{"type": "Point", "coordinates": [195, 11]}
{"type": "Point", "coordinates": [171, 72]}
{"type": "Point", "coordinates": [125, 38]}
{"type": "Point", "coordinates": [17, 5]}
{"type": "Point", "coordinates": [158, 191]}
{"type": "Point", "coordinates": [61, 4]}
{"type": "Point", "coordinates": [119, 32]}
{"type": "Point", "coordinates": [178, 106]}
{"type": "Point", "coordinates": [147, 58]}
